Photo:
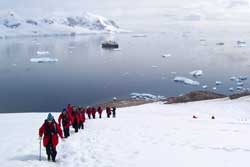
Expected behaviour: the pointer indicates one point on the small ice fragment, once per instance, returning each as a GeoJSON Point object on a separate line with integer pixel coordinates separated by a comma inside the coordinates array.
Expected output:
{"type": "Point", "coordinates": [214, 88]}
{"type": "Point", "coordinates": [166, 55]}
{"type": "Point", "coordinates": [186, 81]}
{"type": "Point", "coordinates": [240, 83]}
{"type": "Point", "coordinates": [155, 66]}
{"type": "Point", "coordinates": [243, 78]}
{"type": "Point", "coordinates": [231, 89]}
{"type": "Point", "coordinates": [239, 88]}
{"type": "Point", "coordinates": [43, 60]}
{"type": "Point", "coordinates": [241, 44]}
{"type": "Point", "coordinates": [42, 53]}
{"type": "Point", "coordinates": [196, 73]}
{"type": "Point", "coordinates": [173, 72]}
{"type": "Point", "coordinates": [233, 78]}
{"type": "Point", "coordinates": [218, 83]}
{"type": "Point", "coordinates": [204, 86]}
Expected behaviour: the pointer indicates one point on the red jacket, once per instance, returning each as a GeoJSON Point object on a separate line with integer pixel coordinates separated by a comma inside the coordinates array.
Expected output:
{"type": "Point", "coordinates": [89, 111]}
{"type": "Point", "coordinates": [93, 110]}
{"type": "Point", "coordinates": [65, 119]}
{"type": "Point", "coordinates": [50, 129]}
{"type": "Point", "coordinates": [69, 109]}
{"type": "Point", "coordinates": [108, 110]}
{"type": "Point", "coordinates": [75, 117]}
{"type": "Point", "coordinates": [99, 110]}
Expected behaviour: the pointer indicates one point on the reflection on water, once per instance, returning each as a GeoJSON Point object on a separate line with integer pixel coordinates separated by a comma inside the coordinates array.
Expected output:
{"type": "Point", "coordinates": [86, 74]}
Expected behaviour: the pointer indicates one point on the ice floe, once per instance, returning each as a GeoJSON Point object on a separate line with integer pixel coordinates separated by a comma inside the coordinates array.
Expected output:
{"type": "Point", "coordinates": [241, 44]}
{"type": "Point", "coordinates": [166, 55]}
{"type": "Point", "coordinates": [204, 86]}
{"type": "Point", "coordinates": [196, 73]}
{"type": "Point", "coordinates": [218, 82]}
{"type": "Point", "coordinates": [139, 35]}
{"type": "Point", "coordinates": [231, 89]}
{"type": "Point", "coordinates": [146, 96]}
{"type": "Point", "coordinates": [43, 60]}
{"type": "Point", "coordinates": [42, 52]}
{"type": "Point", "coordinates": [186, 81]}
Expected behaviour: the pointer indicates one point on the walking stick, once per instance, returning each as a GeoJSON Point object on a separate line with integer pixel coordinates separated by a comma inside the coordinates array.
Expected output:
{"type": "Point", "coordinates": [40, 156]}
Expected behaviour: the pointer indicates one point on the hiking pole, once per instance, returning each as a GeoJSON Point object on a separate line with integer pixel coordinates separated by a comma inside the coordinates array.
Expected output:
{"type": "Point", "coordinates": [40, 156]}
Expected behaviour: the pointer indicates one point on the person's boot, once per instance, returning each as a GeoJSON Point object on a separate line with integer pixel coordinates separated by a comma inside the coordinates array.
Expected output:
{"type": "Point", "coordinates": [53, 158]}
{"type": "Point", "coordinates": [48, 157]}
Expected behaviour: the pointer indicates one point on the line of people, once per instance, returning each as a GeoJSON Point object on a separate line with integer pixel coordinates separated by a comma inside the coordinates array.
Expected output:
{"type": "Point", "coordinates": [70, 116]}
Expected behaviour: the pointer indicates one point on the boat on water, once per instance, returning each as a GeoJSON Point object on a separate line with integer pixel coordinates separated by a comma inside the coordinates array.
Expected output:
{"type": "Point", "coordinates": [110, 44]}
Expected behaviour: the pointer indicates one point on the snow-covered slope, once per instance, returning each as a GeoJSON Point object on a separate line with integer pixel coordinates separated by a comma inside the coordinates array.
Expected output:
{"type": "Point", "coordinates": [148, 135]}
{"type": "Point", "coordinates": [12, 25]}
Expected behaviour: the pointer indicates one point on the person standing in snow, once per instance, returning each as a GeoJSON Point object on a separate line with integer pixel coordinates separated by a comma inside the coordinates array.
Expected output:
{"type": "Point", "coordinates": [114, 111]}
{"type": "Point", "coordinates": [81, 116]}
{"type": "Point", "coordinates": [50, 131]}
{"type": "Point", "coordinates": [108, 111]}
{"type": "Point", "coordinates": [70, 109]}
{"type": "Point", "coordinates": [75, 119]}
{"type": "Point", "coordinates": [89, 112]}
{"type": "Point", "coordinates": [93, 112]}
{"type": "Point", "coordinates": [65, 120]}
{"type": "Point", "coordinates": [99, 110]}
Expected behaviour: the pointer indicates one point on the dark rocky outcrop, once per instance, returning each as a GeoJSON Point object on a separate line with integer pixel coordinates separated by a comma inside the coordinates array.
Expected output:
{"type": "Point", "coordinates": [238, 95]}
{"type": "Point", "coordinates": [194, 96]}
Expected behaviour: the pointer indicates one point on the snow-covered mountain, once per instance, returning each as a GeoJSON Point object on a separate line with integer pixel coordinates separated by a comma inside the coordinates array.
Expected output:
{"type": "Point", "coordinates": [13, 25]}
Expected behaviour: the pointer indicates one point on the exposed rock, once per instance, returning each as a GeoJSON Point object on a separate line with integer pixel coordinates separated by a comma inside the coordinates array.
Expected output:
{"type": "Point", "coordinates": [238, 95]}
{"type": "Point", "coordinates": [194, 96]}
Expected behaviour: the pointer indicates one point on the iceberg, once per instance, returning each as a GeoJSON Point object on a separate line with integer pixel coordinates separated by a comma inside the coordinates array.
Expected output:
{"type": "Point", "coordinates": [242, 78]}
{"type": "Point", "coordinates": [146, 96]}
{"type": "Point", "coordinates": [186, 81]}
{"type": "Point", "coordinates": [218, 82]}
{"type": "Point", "coordinates": [43, 60]}
{"type": "Point", "coordinates": [196, 73]}
{"type": "Point", "coordinates": [42, 53]}
{"type": "Point", "coordinates": [204, 86]}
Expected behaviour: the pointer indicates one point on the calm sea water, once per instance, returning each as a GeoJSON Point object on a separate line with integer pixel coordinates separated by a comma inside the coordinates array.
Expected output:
{"type": "Point", "coordinates": [86, 74]}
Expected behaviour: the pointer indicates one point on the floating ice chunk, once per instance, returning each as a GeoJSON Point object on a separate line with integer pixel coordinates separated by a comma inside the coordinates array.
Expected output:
{"type": "Point", "coordinates": [146, 96]}
{"type": "Point", "coordinates": [231, 89]}
{"type": "Point", "coordinates": [233, 78]}
{"type": "Point", "coordinates": [241, 44]}
{"type": "Point", "coordinates": [220, 43]}
{"type": "Point", "coordinates": [240, 83]}
{"type": "Point", "coordinates": [186, 81]}
{"type": "Point", "coordinates": [139, 35]}
{"type": "Point", "coordinates": [43, 60]}
{"type": "Point", "coordinates": [214, 88]}
{"type": "Point", "coordinates": [218, 83]}
{"type": "Point", "coordinates": [204, 86]}
{"type": "Point", "coordinates": [42, 53]}
{"type": "Point", "coordinates": [155, 66]}
{"type": "Point", "coordinates": [166, 55]}
{"type": "Point", "coordinates": [117, 49]}
{"type": "Point", "coordinates": [239, 88]}
{"type": "Point", "coordinates": [196, 73]}
{"type": "Point", "coordinates": [173, 73]}
{"type": "Point", "coordinates": [242, 78]}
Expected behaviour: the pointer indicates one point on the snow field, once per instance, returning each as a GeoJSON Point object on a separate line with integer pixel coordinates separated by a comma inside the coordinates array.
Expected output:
{"type": "Point", "coordinates": [146, 135]}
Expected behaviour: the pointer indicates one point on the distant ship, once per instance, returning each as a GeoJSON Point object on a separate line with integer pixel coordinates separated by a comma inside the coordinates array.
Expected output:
{"type": "Point", "coordinates": [110, 44]}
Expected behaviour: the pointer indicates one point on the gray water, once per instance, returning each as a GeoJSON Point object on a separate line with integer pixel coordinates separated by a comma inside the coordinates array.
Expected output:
{"type": "Point", "coordinates": [86, 74]}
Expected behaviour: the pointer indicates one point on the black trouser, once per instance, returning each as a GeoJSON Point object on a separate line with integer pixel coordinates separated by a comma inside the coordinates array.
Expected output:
{"type": "Point", "coordinates": [51, 151]}
{"type": "Point", "coordinates": [81, 126]}
{"type": "Point", "coordinates": [75, 126]}
{"type": "Point", "coordinates": [100, 115]}
{"type": "Point", "coordinates": [108, 115]}
{"type": "Point", "coordinates": [93, 115]}
{"type": "Point", "coordinates": [89, 116]}
{"type": "Point", "coordinates": [113, 113]}
{"type": "Point", "coordinates": [66, 132]}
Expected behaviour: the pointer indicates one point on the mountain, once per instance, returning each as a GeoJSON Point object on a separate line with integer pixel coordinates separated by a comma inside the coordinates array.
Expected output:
{"type": "Point", "coordinates": [13, 25]}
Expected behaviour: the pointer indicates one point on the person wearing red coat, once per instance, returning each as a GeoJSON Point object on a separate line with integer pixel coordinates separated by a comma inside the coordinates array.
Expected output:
{"type": "Point", "coordinates": [99, 110]}
{"type": "Point", "coordinates": [70, 109]}
{"type": "Point", "coordinates": [82, 117]}
{"type": "Point", "coordinates": [108, 111]}
{"type": "Point", "coordinates": [89, 111]}
{"type": "Point", "coordinates": [75, 119]}
{"type": "Point", "coordinates": [50, 131]}
{"type": "Point", "coordinates": [65, 120]}
{"type": "Point", "coordinates": [93, 112]}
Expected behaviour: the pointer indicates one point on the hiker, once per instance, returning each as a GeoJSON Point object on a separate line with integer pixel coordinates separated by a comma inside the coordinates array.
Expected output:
{"type": "Point", "coordinates": [65, 120]}
{"type": "Point", "coordinates": [69, 109]}
{"type": "Point", "coordinates": [93, 112]}
{"type": "Point", "coordinates": [114, 111]}
{"type": "Point", "coordinates": [50, 131]}
{"type": "Point", "coordinates": [108, 111]}
{"type": "Point", "coordinates": [99, 110]}
{"type": "Point", "coordinates": [89, 112]}
{"type": "Point", "coordinates": [75, 119]}
{"type": "Point", "coordinates": [82, 117]}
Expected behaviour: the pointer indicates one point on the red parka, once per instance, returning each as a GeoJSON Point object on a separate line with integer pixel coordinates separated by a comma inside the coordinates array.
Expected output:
{"type": "Point", "coordinates": [93, 111]}
{"type": "Point", "coordinates": [50, 129]}
{"type": "Point", "coordinates": [99, 110]}
{"type": "Point", "coordinates": [108, 110]}
{"type": "Point", "coordinates": [70, 109]}
{"type": "Point", "coordinates": [89, 111]}
{"type": "Point", "coordinates": [65, 120]}
{"type": "Point", "coordinates": [75, 117]}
